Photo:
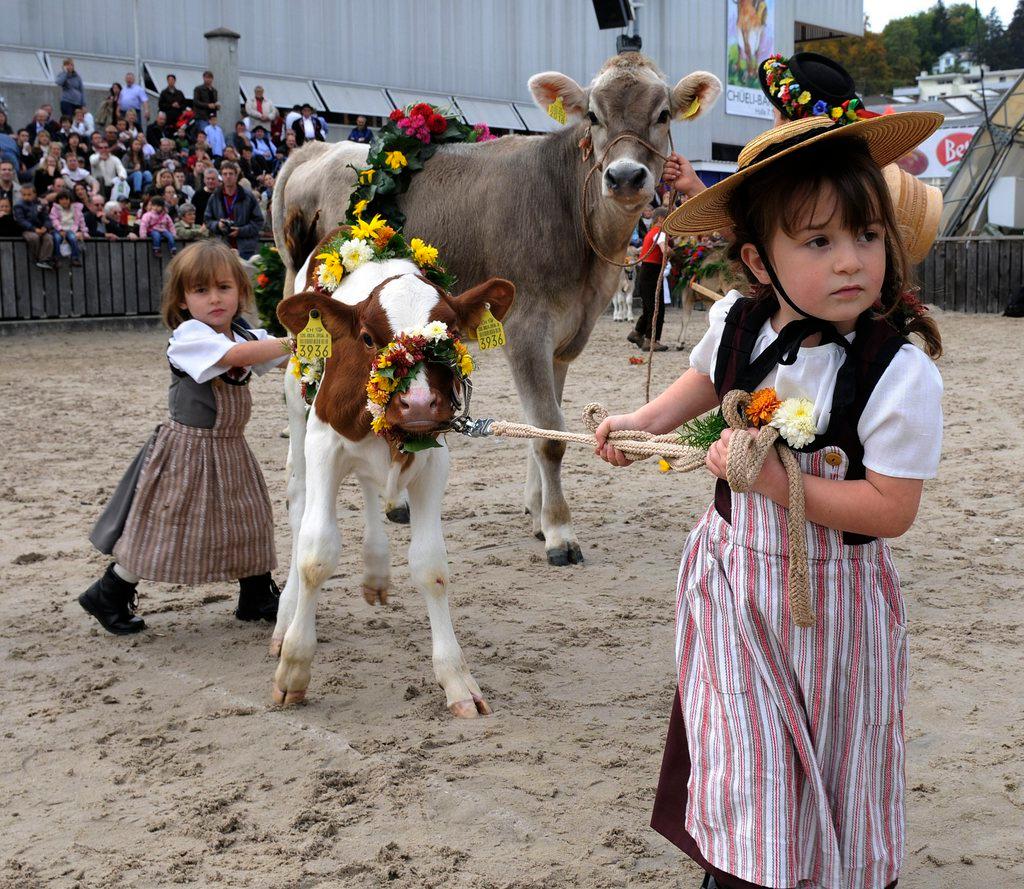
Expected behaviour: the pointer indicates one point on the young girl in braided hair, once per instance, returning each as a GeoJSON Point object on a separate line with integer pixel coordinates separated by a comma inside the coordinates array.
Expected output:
{"type": "Point", "coordinates": [784, 765]}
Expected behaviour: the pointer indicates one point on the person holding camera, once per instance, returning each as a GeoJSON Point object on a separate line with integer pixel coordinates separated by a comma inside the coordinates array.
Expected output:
{"type": "Point", "coordinates": [233, 214]}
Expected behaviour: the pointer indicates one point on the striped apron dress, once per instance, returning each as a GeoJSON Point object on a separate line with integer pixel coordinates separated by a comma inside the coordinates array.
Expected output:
{"type": "Point", "coordinates": [193, 507]}
{"type": "Point", "coordinates": [784, 765]}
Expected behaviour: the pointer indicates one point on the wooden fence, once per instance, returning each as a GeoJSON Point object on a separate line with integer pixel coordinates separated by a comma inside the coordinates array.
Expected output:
{"type": "Point", "coordinates": [972, 274]}
{"type": "Point", "coordinates": [123, 278]}
{"type": "Point", "coordinates": [116, 279]}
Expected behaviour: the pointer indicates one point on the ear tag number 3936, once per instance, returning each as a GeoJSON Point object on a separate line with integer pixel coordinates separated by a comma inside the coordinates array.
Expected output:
{"type": "Point", "coordinates": [489, 332]}
{"type": "Point", "coordinates": [314, 341]}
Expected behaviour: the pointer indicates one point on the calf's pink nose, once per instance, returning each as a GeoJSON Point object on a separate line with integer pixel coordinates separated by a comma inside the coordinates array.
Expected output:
{"type": "Point", "coordinates": [419, 403]}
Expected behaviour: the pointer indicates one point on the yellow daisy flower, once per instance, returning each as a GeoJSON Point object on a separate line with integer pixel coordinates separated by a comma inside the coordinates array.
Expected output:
{"type": "Point", "coordinates": [360, 207]}
{"type": "Point", "coordinates": [422, 252]}
{"type": "Point", "coordinates": [368, 230]}
{"type": "Point", "coordinates": [396, 160]}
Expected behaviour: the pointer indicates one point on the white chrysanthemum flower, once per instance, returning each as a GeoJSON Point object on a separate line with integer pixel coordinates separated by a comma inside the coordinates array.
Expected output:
{"type": "Point", "coordinates": [327, 277]}
{"type": "Point", "coordinates": [375, 409]}
{"type": "Point", "coordinates": [354, 253]}
{"type": "Point", "coordinates": [436, 330]}
{"type": "Point", "coordinates": [413, 331]}
{"type": "Point", "coordinates": [794, 419]}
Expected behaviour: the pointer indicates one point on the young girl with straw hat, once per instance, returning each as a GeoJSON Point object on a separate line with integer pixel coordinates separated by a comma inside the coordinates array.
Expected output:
{"type": "Point", "coordinates": [784, 760]}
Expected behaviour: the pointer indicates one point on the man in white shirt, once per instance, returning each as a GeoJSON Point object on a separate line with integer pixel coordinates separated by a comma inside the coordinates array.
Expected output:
{"type": "Point", "coordinates": [106, 168]}
{"type": "Point", "coordinates": [215, 136]}
{"type": "Point", "coordinates": [259, 109]}
{"type": "Point", "coordinates": [73, 173]}
{"type": "Point", "coordinates": [308, 128]}
{"type": "Point", "coordinates": [135, 97]}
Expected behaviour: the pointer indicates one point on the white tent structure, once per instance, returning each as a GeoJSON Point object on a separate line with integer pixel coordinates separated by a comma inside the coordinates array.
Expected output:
{"type": "Point", "coordinates": [996, 154]}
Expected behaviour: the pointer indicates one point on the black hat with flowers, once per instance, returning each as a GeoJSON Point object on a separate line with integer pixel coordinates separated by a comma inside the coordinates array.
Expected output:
{"type": "Point", "coordinates": [808, 84]}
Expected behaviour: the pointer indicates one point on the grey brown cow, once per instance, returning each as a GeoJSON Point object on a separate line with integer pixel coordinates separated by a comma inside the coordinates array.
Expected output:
{"type": "Point", "coordinates": [511, 208]}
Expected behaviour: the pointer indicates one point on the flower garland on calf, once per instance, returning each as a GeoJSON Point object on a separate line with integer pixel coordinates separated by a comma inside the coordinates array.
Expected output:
{"type": "Point", "coordinates": [410, 137]}
{"type": "Point", "coordinates": [396, 365]}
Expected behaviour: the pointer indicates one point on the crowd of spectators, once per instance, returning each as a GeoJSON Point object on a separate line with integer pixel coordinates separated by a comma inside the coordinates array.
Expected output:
{"type": "Point", "coordinates": [186, 169]}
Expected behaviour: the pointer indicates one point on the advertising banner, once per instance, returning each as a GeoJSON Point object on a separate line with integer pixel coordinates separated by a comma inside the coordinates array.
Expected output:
{"type": "Point", "coordinates": [937, 157]}
{"type": "Point", "coordinates": [750, 37]}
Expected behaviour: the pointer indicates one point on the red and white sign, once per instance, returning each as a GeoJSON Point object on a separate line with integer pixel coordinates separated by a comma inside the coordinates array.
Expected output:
{"type": "Point", "coordinates": [937, 157]}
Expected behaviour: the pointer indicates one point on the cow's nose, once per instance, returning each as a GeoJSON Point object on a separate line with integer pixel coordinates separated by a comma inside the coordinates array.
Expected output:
{"type": "Point", "coordinates": [418, 398]}
{"type": "Point", "coordinates": [419, 407]}
{"type": "Point", "coordinates": [625, 176]}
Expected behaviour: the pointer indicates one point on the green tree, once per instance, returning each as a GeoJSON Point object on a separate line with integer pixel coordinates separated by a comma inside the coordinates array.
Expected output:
{"type": "Point", "coordinates": [865, 58]}
{"type": "Point", "coordinates": [1013, 40]}
{"type": "Point", "coordinates": [902, 51]}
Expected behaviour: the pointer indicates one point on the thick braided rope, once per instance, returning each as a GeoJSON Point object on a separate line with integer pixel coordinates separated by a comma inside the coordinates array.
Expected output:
{"type": "Point", "coordinates": [635, 444]}
{"type": "Point", "coordinates": [743, 465]}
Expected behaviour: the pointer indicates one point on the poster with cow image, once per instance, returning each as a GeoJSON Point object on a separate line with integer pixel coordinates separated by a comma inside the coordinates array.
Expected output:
{"type": "Point", "coordinates": [750, 36]}
{"type": "Point", "coordinates": [940, 154]}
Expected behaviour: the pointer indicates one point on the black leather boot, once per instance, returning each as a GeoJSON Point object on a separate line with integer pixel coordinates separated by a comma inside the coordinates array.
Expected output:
{"type": "Point", "coordinates": [257, 598]}
{"type": "Point", "coordinates": [111, 600]}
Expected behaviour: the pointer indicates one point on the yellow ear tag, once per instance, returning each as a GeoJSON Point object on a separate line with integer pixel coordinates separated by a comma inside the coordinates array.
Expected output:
{"type": "Point", "coordinates": [489, 332]}
{"type": "Point", "coordinates": [556, 110]}
{"type": "Point", "coordinates": [314, 341]}
{"type": "Point", "coordinates": [692, 110]}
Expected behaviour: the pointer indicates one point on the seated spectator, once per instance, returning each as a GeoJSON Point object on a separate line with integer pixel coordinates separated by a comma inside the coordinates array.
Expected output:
{"type": "Point", "coordinates": [171, 102]}
{"type": "Point", "coordinates": [64, 131]}
{"type": "Point", "coordinates": [83, 195]}
{"type": "Point", "coordinates": [45, 175]}
{"type": "Point", "coordinates": [42, 146]}
{"type": "Point", "coordinates": [211, 182]}
{"type": "Point", "coordinates": [112, 136]}
{"type": "Point", "coordinates": [166, 157]}
{"type": "Point", "coordinates": [233, 214]}
{"type": "Point", "coordinates": [128, 124]}
{"type": "Point", "coordinates": [72, 90]}
{"type": "Point", "coordinates": [200, 154]}
{"type": "Point", "coordinates": [157, 131]}
{"type": "Point", "coordinates": [109, 112]}
{"type": "Point", "coordinates": [184, 130]}
{"type": "Point", "coordinates": [185, 191]}
{"type": "Point", "coordinates": [8, 185]}
{"type": "Point", "coordinates": [162, 179]}
{"type": "Point", "coordinates": [230, 154]}
{"type": "Point", "coordinates": [171, 201]}
{"type": "Point", "coordinates": [215, 136]}
{"type": "Point", "coordinates": [68, 223]}
{"type": "Point", "coordinates": [202, 144]}
{"type": "Point", "coordinates": [361, 132]}
{"type": "Point", "coordinates": [9, 227]}
{"type": "Point", "coordinates": [74, 172]}
{"type": "Point", "coordinates": [158, 226]}
{"type": "Point", "coordinates": [40, 122]}
{"type": "Point", "coordinates": [33, 217]}
{"type": "Point", "coordinates": [286, 148]}
{"type": "Point", "coordinates": [242, 137]}
{"type": "Point", "coordinates": [137, 166]}
{"type": "Point", "coordinates": [83, 123]}
{"type": "Point", "coordinates": [115, 224]}
{"type": "Point", "coordinates": [27, 158]}
{"type": "Point", "coordinates": [186, 228]}
{"type": "Point", "coordinates": [259, 109]}
{"type": "Point", "coordinates": [5, 124]}
{"type": "Point", "coordinates": [308, 127]}
{"type": "Point", "coordinates": [76, 147]}
{"type": "Point", "coordinates": [95, 221]}
{"type": "Point", "coordinates": [262, 145]}
{"type": "Point", "coordinates": [106, 168]}
{"type": "Point", "coordinates": [251, 167]}
{"type": "Point", "coordinates": [277, 129]}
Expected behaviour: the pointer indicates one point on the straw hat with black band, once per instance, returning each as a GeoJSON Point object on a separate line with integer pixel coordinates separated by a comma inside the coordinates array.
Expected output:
{"type": "Point", "coordinates": [886, 138]}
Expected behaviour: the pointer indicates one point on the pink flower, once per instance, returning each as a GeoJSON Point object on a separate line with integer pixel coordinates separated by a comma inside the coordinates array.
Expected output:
{"type": "Point", "coordinates": [484, 133]}
{"type": "Point", "coordinates": [415, 125]}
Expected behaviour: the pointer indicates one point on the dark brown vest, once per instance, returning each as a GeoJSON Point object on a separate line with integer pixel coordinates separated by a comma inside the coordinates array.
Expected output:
{"type": "Point", "coordinates": [874, 346]}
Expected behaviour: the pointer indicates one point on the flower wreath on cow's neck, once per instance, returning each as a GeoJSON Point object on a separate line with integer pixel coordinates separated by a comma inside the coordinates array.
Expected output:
{"type": "Point", "coordinates": [397, 364]}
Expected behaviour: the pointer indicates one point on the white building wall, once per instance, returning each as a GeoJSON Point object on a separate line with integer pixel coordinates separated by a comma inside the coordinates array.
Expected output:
{"type": "Point", "coordinates": [486, 48]}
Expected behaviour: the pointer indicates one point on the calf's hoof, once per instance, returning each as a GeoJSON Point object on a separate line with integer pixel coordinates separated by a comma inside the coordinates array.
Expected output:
{"type": "Point", "coordinates": [566, 554]}
{"type": "Point", "coordinates": [287, 698]}
{"type": "Point", "coordinates": [398, 515]}
{"type": "Point", "coordinates": [375, 597]}
{"type": "Point", "coordinates": [471, 709]}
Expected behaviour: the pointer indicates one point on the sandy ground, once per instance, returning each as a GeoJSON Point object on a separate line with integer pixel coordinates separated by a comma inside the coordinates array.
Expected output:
{"type": "Point", "coordinates": [157, 760]}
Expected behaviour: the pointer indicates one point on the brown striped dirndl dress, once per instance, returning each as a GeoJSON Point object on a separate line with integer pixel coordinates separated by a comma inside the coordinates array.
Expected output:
{"type": "Point", "coordinates": [200, 511]}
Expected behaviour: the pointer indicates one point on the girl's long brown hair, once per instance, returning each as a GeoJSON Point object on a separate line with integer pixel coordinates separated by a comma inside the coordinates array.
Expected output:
{"type": "Point", "coordinates": [788, 191]}
{"type": "Point", "coordinates": [201, 263]}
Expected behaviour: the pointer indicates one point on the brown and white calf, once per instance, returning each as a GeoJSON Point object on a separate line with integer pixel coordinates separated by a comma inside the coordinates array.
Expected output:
{"type": "Point", "coordinates": [374, 303]}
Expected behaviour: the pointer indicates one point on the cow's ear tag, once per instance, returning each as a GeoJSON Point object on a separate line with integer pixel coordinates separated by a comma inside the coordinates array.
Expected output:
{"type": "Point", "coordinates": [314, 341]}
{"type": "Point", "coordinates": [692, 110]}
{"type": "Point", "coordinates": [489, 332]}
{"type": "Point", "coordinates": [556, 110]}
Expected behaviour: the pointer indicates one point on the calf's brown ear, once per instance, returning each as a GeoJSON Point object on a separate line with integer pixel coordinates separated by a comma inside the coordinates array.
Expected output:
{"type": "Point", "coordinates": [470, 306]}
{"type": "Point", "coordinates": [339, 319]}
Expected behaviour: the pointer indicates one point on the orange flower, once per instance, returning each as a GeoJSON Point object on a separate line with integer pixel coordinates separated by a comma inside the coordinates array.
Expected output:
{"type": "Point", "coordinates": [383, 236]}
{"type": "Point", "coordinates": [262, 280]}
{"type": "Point", "coordinates": [763, 405]}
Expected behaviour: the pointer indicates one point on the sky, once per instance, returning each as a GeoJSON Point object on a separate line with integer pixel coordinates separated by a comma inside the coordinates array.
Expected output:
{"type": "Point", "coordinates": [881, 11]}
